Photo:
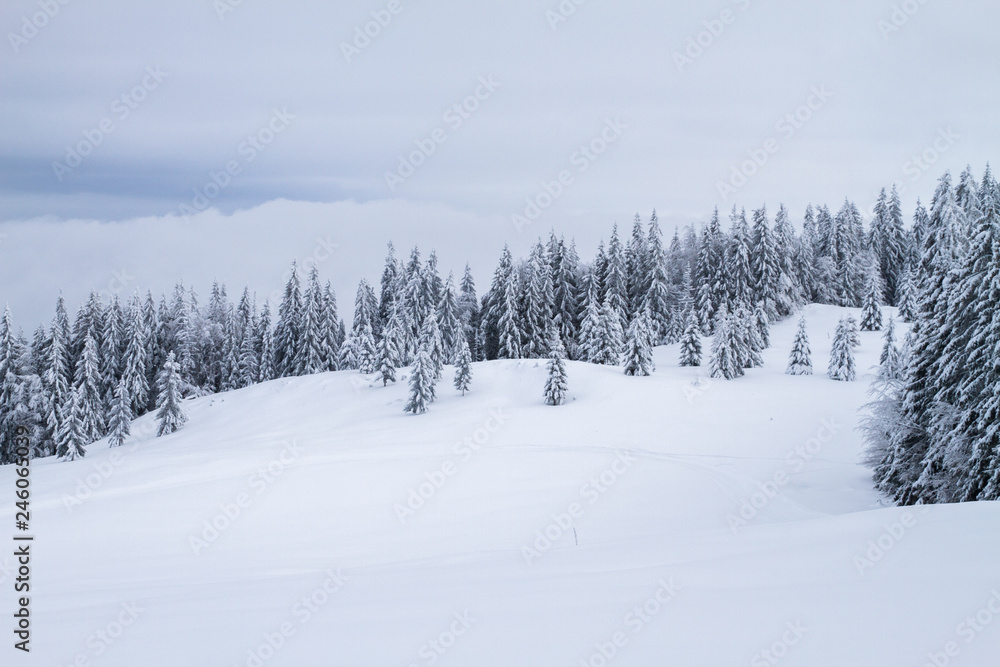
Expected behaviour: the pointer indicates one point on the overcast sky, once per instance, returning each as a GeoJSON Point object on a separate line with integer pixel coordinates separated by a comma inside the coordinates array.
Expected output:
{"type": "Point", "coordinates": [122, 120]}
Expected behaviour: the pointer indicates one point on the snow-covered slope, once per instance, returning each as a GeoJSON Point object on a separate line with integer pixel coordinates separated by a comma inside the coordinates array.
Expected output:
{"type": "Point", "coordinates": [668, 520]}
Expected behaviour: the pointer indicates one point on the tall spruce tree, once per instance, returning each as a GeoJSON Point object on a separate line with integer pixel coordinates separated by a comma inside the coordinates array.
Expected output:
{"type": "Point", "coordinates": [726, 360]}
{"type": "Point", "coordinates": [88, 384]}
{"type": "Point", "coordinates": [70, 440]}
{"type": "Point", "coordinates": [170, 415]}
{"type": "Point", "coordinates": [449, 321]}
{"type": "Point", "coordinates": [739, 278]}
{"type": "Point", "coordinates": [764, 269]}
{"type": "Point", "coordinates": [288, 330]}
{"type": "Point", "coordinates": [121, 416]}
{"type": "Point", "coordinates": [509, 322]}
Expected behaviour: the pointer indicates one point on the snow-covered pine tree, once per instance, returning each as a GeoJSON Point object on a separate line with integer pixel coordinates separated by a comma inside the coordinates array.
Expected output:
{"type": "Point", "coordinates": [714, 270]}
{"type": "Point", "coordinates": [265, 345]}
{"type": "Point", "coordinates": [853, 333]}
{"type": "Point", "coordinates": [906, 297]}
{"type": "Point", "coordinates": [70, 440]}
{"type": "Point", "coordinates": [739, 278]}
{"type": "Point", "coordinates": [388, 352]}
{"type": "Point", "coordinates": [509, 325]}
{"type": "Point", "coordinates": [389, 287]}
{"type": "Point", "coordinates": [789, 289]}
{"type": "Point", "coordinates": [121, 416]}
{"type": "Point", "coordinates": [890, 361]}
{"type": "Point", "coordinates": [725, 361]}
{"type": "Point", "coordinates": [691, 342]}
{"type": "Point", "coordinates": [494, 306]}
{"type": "Point", "coordinates": [675, 327]}
{"type": "Point", "coordinates": [804, 259]}
{"type": "Point", "coordinates": [468, 311]}
{"type": "Point", "coordinates": [430, 341]}
{"type": "Point", "coordinates": [433, 285]}
{"type": "Point", "coordinates": [637, 270]}
{"type": "Point", "coordinates": [556, 385]}
{"type": "Point", "coordinates": [309, 353]}
{"type": "Point", "coordinates": [247, 370]}
{"type": "Point", "coordinates": [170, 415]}
{"type": "Point", "coordinates": [88, 383]}
{"type": "Point", "coordinates": [590, 325]}
{"type": "Point", "coordinates": [609, 337]}
{"type": "Point", "coordinates": [331, 330]}
{"type": "Point", "coordinates": [657, 298]}
{"type": "Point", "coordinates": [639, 346]}
{"type": "Point", "coordinates": [871, 313]}
{"type": "Point", "coordinates": [348, 355]}
{"type": "Point", "coordinates": [764, 265]}
{"type": "Point", "coordinates": [705, 308]}
{"type": "Point", "coordinates": [842, 365]}
{"type": "Point", "coordinates": [749, 344]}
{"type": "Point", "coordinates": [565, 294]}
{"type": "Point", "coordinates": [56, 375]}
{"type": "Point", "coordinates": [365, 309]}
{"type": "Point", "coordinates": [9, 389]}
{"type": "Point", "coordinates": [111, 350]}
{"type": "Point", "coordinates": [540, 299]}
{"type": "Point", "coordinates": [421, 383]}
{"type": "Point", "coordinates": [686, 298]}
{"type": "Point", "coordinates": [616, 284]}
{"type": "Point", "coordinates": [800, 359]}
{"type": "Point", "coordinates": [415, 306]}
{"type": "Point", "coordinates": [288, 330]}
{"type": "Point", "coordinates": [449, 322]}
{"type": "Point", "coordinates": [763, 326]}
{"type": "Point", "coordinates": [463, 366]}
{"type": "Point", "coordinates": [970, 360]}
{"type": "Point", "coordinates": [367, 353]}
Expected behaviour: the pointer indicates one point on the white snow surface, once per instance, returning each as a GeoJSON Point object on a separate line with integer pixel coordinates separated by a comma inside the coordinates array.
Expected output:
{"type": "Point", "coordinates": [652, 570]}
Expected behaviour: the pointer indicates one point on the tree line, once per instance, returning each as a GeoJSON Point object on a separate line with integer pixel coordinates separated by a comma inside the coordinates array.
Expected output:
{"type": "Point", "coordinates": [115, 359]}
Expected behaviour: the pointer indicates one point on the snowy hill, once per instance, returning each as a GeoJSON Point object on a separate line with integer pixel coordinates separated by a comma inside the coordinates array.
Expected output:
{"type": "Point", "coordinates": [667, 520]}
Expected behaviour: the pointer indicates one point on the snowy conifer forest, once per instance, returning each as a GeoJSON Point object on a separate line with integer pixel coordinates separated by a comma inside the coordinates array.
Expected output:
{"type": "Point", "coordinates": [514, 333]}
{"type": "Point", "coordinates": [932, 426]}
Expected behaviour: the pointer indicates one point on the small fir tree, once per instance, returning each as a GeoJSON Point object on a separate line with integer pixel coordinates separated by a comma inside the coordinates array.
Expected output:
{"type": "Point", "coordinates": [556, 384]}
{"type": "Point", "coordinates": [639, 347]}
{"type": "Point", "coordinates": [367, 354]}
{"type": "Point", "coordinates": [691, 342]}
{"type": "Point", "coordinates": [463, 371]}
{"type": "Point", "coordinates": [800, 360]}
{"type": "Point", "coordinates": [421, 384]}
{"type": "Point", "coordinates": [842, 366]}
